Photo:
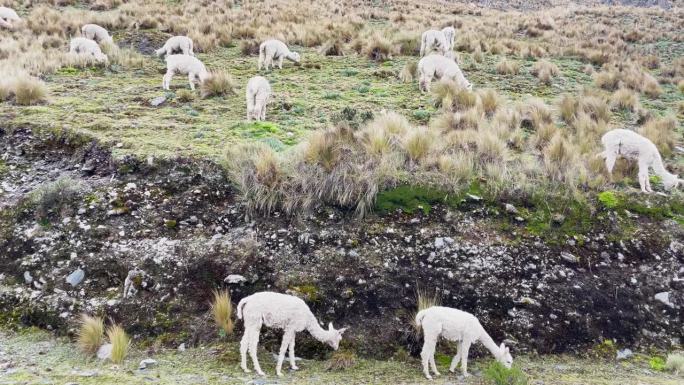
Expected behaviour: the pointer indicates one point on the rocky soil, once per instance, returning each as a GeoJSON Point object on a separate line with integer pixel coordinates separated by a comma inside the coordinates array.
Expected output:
{"type": "Point", "coordinates": [177, 230]}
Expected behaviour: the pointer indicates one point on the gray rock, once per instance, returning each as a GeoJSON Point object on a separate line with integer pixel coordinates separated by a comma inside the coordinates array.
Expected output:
{"type": "Point", "coordinates": [439, 243]}
{"type": "Point", "coordinates": [181, 347]}
{"type": "Point", "coordinates": [27, 277]}
{"type": "Point", "coordinates": [510, 208]}
{"type": "Point", "coordinates": [104, 352]}
{"type": "Point", "coordinates": [568, 257]}
{"type": "Point", "coordinates": [664, 297]}
{"type": "Point", "coordinates": [624, 354]}
{"type": "Point", "coordinates": [158, 101]}
{"type": "Point", "coordinates": [76, 277]}
{"type": "Point", "coordinates": [147, 363]}
{"type": "Point", "coordinates": [234, 278]}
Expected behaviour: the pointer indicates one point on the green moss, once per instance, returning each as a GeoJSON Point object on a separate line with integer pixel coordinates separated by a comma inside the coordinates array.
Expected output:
{"type": "Point", "coordinates": [308, 291]}
{"type": "Point", "coordinates": [657, 363]}
{"type": "Point", "coordinates": [170, 223]}
{"type": "Point", "coordinates": [608, 199]}
{"type": "Point", "coordinates": [409, 199]}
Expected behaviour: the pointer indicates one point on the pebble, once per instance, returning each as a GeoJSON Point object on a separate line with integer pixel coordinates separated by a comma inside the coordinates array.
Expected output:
{"type": "Point", "coordinates": [76, 277]}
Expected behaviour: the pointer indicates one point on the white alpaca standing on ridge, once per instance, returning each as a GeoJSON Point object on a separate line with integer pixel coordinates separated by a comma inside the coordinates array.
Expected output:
{"type": "Point", "coordinates": [186, 65]}
{"type": "Point", "coordinates": [258, 93]}
{"type": "Point", "coordinates": [440, 67]}
{"type": "Point", "coordinates": [433, 40]}
{"type": "Point", "coordinates": [275, 50]}
{"type": "Point", "coordinates": [455, 325]}
{"type": "Point", "coordinates": [630, 145]}
{"type": "Point", "coordinates": [449, 35]}
{"type": "Point", "coordinates": [279, 311]}
{"type": "Point", "coordinates": [97, 33]}
{"type": "Point", "coordinates": [177, 44]}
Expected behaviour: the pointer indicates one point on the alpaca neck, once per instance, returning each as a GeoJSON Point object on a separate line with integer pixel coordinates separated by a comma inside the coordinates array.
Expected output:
{"type": "Point", "coordinates": [316, 330]}
{"type": "Point", "coordinates": [489, 343]}
{"type": "Point", "coordinates": [659, 169]}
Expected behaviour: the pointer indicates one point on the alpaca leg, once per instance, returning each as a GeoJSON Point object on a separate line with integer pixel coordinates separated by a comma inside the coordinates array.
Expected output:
{"type": "Point", "coordinates": [250, 108]}
{"type": "Point", "coordinates": [610, 162]}
{"type": "Point", "coordinates": [287, 337]}
{"type": "Point", "coordinates": [254, 343]}
{"type": "Point", "coordinates": [457, 357]}
{"type": "Point", "coordinates": [465, 346]}
{"type": "Point", "coordinates": [244, 346]}
{"type": "Point", "coordinates": [643, 177]}
{"type": "Point", "coordinates": [166, 83]}
{"type": "Point", "coordinates": [191, 79]}
{"type": "Point", "coordinates": [293, 364]}
{"type": "Point", "coordinates": [426, 353]}
{"type": "Point", "coordinates": [433, 365]}
{"type": "Point", "coordinates": [261, 61]}
{"type": "Point", "coordinates": [280, 62]}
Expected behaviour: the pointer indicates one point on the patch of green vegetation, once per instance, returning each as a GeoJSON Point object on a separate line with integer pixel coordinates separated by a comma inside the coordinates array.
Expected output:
{"type": "Point", "coordinates": [308, 291]}
{"type": "Point", "coordinates": [3, 168]}
{"type": "Point", "coordinates": [608, 199]}
{"type": "Point", "coordinates": [497, 374]}
{"type": "Point", "coordinates": [567, 217]}
{"type": "Point", "coordinates": [422, 116]}
{"type": "Point", "coordinates": [409, 199]}
{"type": "Point", "coordinates": [657, 363]}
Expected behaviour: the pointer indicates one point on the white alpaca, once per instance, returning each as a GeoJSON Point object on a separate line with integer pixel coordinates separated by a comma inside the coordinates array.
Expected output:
{"type": "Point", "coordinates": [185, 65]}
{"type": "Point", "coordinates": [257, 94]}
{"type": "Point", "coordinates": [284, 312]}
{"type": "Point", "coordinates": [433, 40]}
{"type": "Point", "coordinates": [440, 67]}
{"type": "Point", "coordinates": [275, 50]}
{"type": "Point", "coordinates": [97, 33]}
{"type": "Point", "coordinates": [86, 47]}
{"type": "Point", "coordinates": [455, 325]}
{"type": "Point", "coordinates": [630, 145]}
{"type": "Point", "coordinates": [449, 36]}
{"type": "Point", "coordinates": [177, 44]}
{"type": "Point", "coordinates": [8, 17]}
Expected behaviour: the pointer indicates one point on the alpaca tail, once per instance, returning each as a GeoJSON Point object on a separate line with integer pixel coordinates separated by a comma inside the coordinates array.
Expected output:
{"type": "Point", "coordinates": [419, 317]}
{"type": "Point", "coordinates": [240, 305]}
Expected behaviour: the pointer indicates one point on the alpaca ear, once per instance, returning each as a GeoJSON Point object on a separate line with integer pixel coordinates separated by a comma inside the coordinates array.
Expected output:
{"type": "Point", "coordinates": [330, 327]}
{"type": "Point", "coordinates": [502, 347]}
{"type": "Point", "coordinates": [342, 330]}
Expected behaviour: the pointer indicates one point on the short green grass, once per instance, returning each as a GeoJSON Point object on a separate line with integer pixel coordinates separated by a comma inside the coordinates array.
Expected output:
{"type": "Point", "coordinates": [219, 364]}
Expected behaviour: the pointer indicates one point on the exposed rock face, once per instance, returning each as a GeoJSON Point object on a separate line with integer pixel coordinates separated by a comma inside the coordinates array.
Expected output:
{"type": "Point", "coordinates": [362, 274]}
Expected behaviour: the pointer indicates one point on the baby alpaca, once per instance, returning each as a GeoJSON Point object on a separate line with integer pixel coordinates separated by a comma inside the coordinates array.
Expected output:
{"type": "Point", "coordinates": [275, 50]}
{"type": "Point", "coordinates": [176, 44]}
{"type": "Point", "coordinates": [279, 311]}
{"type": "Point", "coordinates": [185, 65]}
{"type": "Point", "coordinates": [83, 46]}
{"type": "Point", "coordinates": [258, 93]}
{"type": "Point", "coordinates": [440, 67]}
{"type": "Point", "coordinates": [97, 33]}
{"type": "Point", "coordinates": [433, 40]}
{"type": "Point", "coordinates": [631, 145]}
{"type": "Point", "coordinates": [455, 325]}
{"type": "Point", "coordinates": [449, 35]}
{"type": "Point", "coordinates": [8, 17]}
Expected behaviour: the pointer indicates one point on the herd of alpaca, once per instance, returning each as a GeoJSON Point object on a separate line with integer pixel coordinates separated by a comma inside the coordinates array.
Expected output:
{"type": "Point", "coordinates": [291, 315]}
{"type": "Point", "coordinates": [437, 62]}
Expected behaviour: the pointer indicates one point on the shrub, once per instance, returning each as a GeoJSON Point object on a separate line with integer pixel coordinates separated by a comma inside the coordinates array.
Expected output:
{"type": "Point", "coordinates": [218, 84]}
{"type": "Point", "coordinates": [120, 343]}
{"type": "Point", "coordinates": [675, 363]}
{"type": "Point", "coordinates": [90, 334]}
{"type": "Point", "coordinates": [222, 309]}
{"type": "Point", "coordinates": [497, 374]}
{"type": "Point", "coordinates": [52, 198]}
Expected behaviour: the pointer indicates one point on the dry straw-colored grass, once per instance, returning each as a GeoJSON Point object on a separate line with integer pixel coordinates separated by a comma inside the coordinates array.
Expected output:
{"type": "Point", "coordinates": [222, 309]}
{"type": "Point", "coordinates": [90, 334]}
{"type": "Point", "coordinates": [120, 343]}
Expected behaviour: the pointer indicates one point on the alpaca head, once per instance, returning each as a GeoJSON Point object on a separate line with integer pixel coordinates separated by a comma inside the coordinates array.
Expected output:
{"type": "Point", "coordinates": [334, 336]}
{"type": "Point", "coordinates": [100, 57]}
{"type": "Point", "coordinates": [505, 356]}
{"type": "Point", "coordinates": [671, 181]}
{"type": "Point", "coordinates": [294, 56]}
{"type": "Point", "coordinates": [449, 33]}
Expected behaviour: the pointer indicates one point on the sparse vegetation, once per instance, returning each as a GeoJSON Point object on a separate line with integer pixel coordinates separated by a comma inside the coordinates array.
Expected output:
{"type": "Point", "coordinates": [497, 374]}
{"type": "Point", "coordinates": [120, 343]}
{"type": "Point", "coordinates": [342, 360]}
{"type": "Point", "coordinates": [218, 84]}
{"type": "Point", "coordinates": [90, 334]}
{"type": "Point", "coordinates": [222, 309]}
{"type": "Point", "coordinates": [675, 363]}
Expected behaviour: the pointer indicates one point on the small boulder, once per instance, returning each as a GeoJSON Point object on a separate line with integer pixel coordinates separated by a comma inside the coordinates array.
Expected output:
{"type": "Point", "coordinates": [234, 278]}
{"type": "Point", "coordinates": [158, 101]}
{"type": "Point", "coordinates": [76, 277]}
{"type": "Point", "coordinates": [147, 363]}
{"type": "Point", "coordinates": [104, 352]}
{"type": "Point", "coordinates": [569, 258]}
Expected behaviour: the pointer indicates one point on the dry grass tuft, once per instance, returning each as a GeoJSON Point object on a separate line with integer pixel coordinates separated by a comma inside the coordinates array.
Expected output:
{"type": "Point", "coordinates": [544, 70]}
{"type": "Point", "coordinates": [408, 72]}
{"type": "Point", "coordinates": [489, 101]}
{"type": "Point", "coordinates": [222, 310]}
{"type": "Point", "coordinates": [28, 91]}
{"type": "Point", "coordinates": [418, 143]}
{"type": "Point", "coordinates": [662, 132]}
{"type": "Point", "coordinates": [507, 67]}
{"type": "Point", "coordinates": [450, 96]}
{"type": "Point", "coordinates": [120, 343]}
{"type": "Point", "coordinates": [624, 99]}
{"type": "Point", "coordinates": [90, 334]}
{"type": "Point", "coordinates": [378, 48]}
{"type": "Point", "coordinates": [341, 360]}
{"type": "Point", "coordinates": [675, 363]}
{"type": "Point", "coordinates": [424, 300]}
{"type": "Point", "coordinates": [218, 84]}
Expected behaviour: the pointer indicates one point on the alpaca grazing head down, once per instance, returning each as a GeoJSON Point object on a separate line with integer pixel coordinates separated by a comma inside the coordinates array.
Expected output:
{"type": "Point", "coordinates": [333, 337]}
{"type": "Point", "coordinates": [672, 181]}
{"type": "Point", "coordinates": [505, 356]}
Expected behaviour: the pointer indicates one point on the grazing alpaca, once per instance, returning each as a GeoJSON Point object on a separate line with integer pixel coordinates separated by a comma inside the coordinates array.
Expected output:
{"type": "Point", "coordinates": [185, 65]}
{"type": "Point", "coordinates": [176, 44]}
{"type": "Point", "coordinates": [86, 47]}
{"type": "Point", "coordinates": [97, 33]}
{"type": "Point", "coordinates": [8, 17]}
{"type": "Point", "coordinates": [440, 67]}
{"type": "Point", "coordinates": [279, 311]}
{"type": "Point", "coordinates": [257, 95]}
{"type": "Point", "coordinates": [455, 325]}
{"type": "Point", "coordinates": [275, 50]}
{"type": "Point", "coordinates": [630, 145]}
{"type": "Point", "coordinates": [433, 40]}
